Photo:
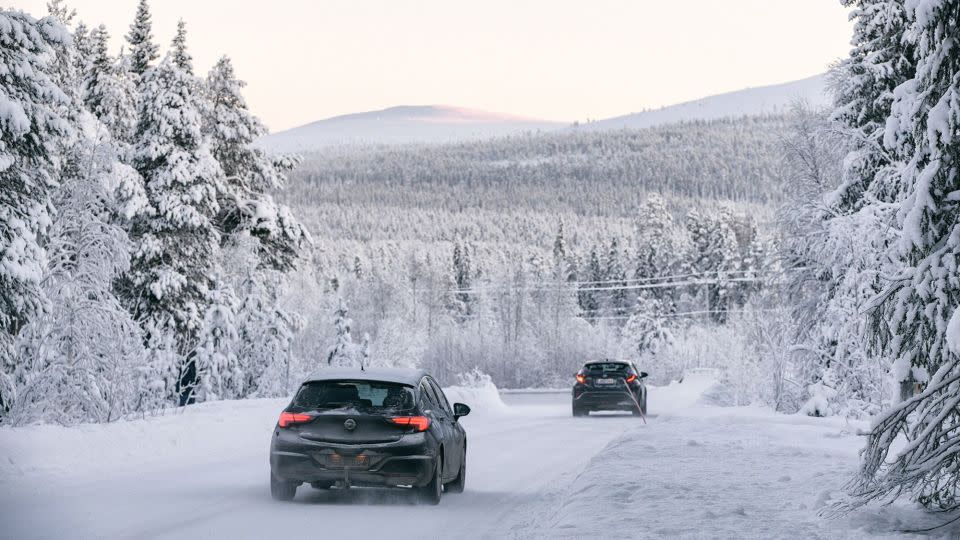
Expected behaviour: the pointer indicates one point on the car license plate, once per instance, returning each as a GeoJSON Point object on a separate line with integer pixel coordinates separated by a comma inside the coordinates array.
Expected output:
{"type": "Point", "coordinates": [606, 381]}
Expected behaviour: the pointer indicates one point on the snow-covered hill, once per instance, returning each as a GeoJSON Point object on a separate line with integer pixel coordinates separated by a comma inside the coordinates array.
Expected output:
{"type": "Point", "coordinates": [403, 124]}
{"type": "Point", "coordinates": [444, 124]}
{"type": "Point", "coordinates": [775, 98]}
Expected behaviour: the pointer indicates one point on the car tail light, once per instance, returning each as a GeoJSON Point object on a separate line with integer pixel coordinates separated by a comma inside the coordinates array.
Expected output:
{"type": "Point", "coordinates": [289, 418]}
{"type": "Point", "coordinates": [630, 378]}
{"type": "Point", "coordinates": [418, 423]}
{"type": "Point", "coordinates": [580, 378]}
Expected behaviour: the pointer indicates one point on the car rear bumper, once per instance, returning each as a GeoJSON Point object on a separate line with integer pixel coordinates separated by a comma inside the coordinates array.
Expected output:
{"type": "Point", "coordinates": [610, 400]}
{"type": "Point", "coordinates": [407, 462]}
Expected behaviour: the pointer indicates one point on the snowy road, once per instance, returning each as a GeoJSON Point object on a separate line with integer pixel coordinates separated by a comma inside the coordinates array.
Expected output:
{"type": "Point", "coordinates": [534, 471]}
{"type": "Point", "coordinates": [513, 459]}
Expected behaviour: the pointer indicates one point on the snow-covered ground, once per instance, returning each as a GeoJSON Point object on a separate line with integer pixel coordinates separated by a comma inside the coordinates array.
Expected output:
{"type": "Point", "coordinates": [693, 470]}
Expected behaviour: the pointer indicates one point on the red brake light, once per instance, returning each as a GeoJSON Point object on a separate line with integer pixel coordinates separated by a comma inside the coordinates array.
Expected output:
{"type": "Point", "coordinates": [418, 423]}
{"type": "Point", "coordinates": [630, 378]}
{"type": "Point", "coordinates": [288, 418]}
{"type": "Point", "coordinates": [580, 378]}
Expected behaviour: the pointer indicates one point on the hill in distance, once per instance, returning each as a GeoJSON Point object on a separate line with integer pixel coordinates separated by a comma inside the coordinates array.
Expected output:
{"type": "Point", "coordinates": [401, 125]}
{"type": "Point", "coordinates": [772, 99]}
{"type": "Point", "coordinates": [444, 124]}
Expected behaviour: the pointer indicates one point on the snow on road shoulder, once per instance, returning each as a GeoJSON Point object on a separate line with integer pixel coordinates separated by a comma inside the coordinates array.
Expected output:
{"type": "Point", "coordinates": [711, 472]}
{"type": "Point", "coordinates": [196, 434]}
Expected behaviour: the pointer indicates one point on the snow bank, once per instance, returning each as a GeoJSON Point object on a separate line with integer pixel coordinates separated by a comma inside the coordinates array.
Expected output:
{"type": "Point", "coordinates": [483, 399]}
{"type": "Point", "coordinates": [698, 387]}
{"type": "Point", "coordinates": [735, 472]}
{"type": "Point", "coordinates": [201, 433]}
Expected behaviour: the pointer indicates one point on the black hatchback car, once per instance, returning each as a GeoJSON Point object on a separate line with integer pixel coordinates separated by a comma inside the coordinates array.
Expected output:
{"type": "Point", "coordinates": [377, 427]}
{"type": "Point", "coordinates": [609, 386]}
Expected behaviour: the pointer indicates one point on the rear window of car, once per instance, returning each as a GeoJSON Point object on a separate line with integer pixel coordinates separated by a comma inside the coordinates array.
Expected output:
{"type": "Point", "coordinates": [369, 396]}
{"type": "Point", "coordinates": [606, 367]}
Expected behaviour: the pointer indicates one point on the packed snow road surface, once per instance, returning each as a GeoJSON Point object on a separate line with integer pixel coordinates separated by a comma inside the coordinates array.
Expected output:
{"type": "Point", "coordinates": [534, 472]}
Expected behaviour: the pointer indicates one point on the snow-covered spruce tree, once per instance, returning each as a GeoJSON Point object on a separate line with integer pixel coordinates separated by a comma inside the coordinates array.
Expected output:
{"type": "Point", "coordinates": [31, 128]}
{"type": "Point", "coordinates": [462, 278]}
{"type": "Point", "coordinates": [646, 337]}
{"type": "Point", "coordinates": [590, 300]}
{"type": "Point", "coordinates": [614, 279]}
{"type": "Point", "coordinates": [246, 205]}
{"type": "Point", "coordinates": [659, 246]}
{"type": "Point", "coordinates": [178, 49]}
{"type": "Point", "coordinates": [81, 46]}
{"type": "Point", "coordinates": [108, 89]}
{"type": "Point", "coordinates": [863, 84]}
{"type": "Point", "coordinates": [143, 51]}
{"type": "Point", "coordinates": [344, 352]}
{"type": "Point", "coordinates": [266, 333]}
{"type": "Point", "coordinates": [917, 317]}
{"type": "Point", "coordinates": [172, 269]}
{"type": "Point", "coordinates": [218, 366]}
{"type": "Point", "coordinates": [713, 257]}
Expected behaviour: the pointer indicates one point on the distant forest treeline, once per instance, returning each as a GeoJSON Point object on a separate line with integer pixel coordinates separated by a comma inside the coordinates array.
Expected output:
{"type": "Point", "coordinates": [588, 173]}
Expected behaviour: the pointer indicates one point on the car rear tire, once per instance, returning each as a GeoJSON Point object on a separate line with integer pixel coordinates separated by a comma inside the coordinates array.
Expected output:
{"type": "Point", "coordinates": [431, 493]}
{"type": "Point", "coordinates": [282, 491]}
{"type": "Point", "coordinates": [460, 482]}
{"type": "Point", "coordinates": [321, 485]}
{"type": "Point", "coordinates": [577, 411]}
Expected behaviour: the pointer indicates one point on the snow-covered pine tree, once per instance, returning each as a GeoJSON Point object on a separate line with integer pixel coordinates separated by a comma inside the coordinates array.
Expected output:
{"type": "Point", "coordinates": [108, 90]}
{"type": "Point", "coordinates": [31, 129]}
{"type": "Point", "coordinates": [918, 312]}
{"type": "Point", "coordinates": [246, 205]}
{"type": "Point", "coordinates": [143, 51]}
{"type": "Point", "coordinates": [172, 269]}
{"type": "Point", "coordinates": [178, 49]}
{"type": "Point", "coordinates": [343, 351]}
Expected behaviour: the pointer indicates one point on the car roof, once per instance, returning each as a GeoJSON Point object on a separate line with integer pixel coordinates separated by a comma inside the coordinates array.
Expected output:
{"type": "Point", "coordinates": [394, 375]}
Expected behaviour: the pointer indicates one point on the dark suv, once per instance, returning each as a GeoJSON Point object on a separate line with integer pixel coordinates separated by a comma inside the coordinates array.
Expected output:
{"type": "Point", "coordinates": [609, 386]}
{"type": "Point", "coordinates": [375, 427]}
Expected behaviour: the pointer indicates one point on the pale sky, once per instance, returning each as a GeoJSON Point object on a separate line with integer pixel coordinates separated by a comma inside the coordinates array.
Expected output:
{"type": "Point", "coordinates": [558, 60]}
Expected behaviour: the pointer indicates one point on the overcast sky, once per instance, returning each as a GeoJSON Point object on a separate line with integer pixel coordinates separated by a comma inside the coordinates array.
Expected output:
{"type": "Point", "coordinates": [559, 60]}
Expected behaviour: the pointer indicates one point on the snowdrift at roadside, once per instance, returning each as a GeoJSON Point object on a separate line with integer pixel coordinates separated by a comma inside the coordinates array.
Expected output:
{"type": "Point", "coordinates": [482, 400]}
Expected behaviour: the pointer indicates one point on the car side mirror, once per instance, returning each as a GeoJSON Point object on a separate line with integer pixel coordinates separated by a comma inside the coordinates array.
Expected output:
{"type": "Point", "coordinates": [643, 374]}
{"type": "Point", "coordinates": [459, 409]}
